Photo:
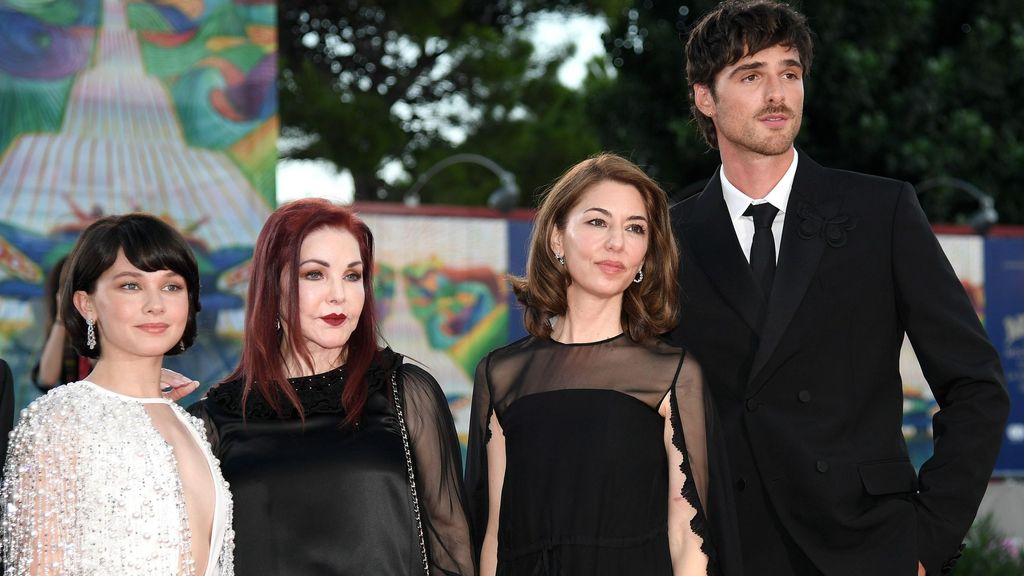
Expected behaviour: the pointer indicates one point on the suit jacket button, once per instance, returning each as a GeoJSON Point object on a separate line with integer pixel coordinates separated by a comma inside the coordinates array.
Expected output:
{"type": "Point", "coordinates": [752, 405]}
{"type": "Point", "coordinates": [804, 396]}
{"type": "Point", "coordinates": [741, 484]}
{"type": "Point", "coordinates": [822, 466]}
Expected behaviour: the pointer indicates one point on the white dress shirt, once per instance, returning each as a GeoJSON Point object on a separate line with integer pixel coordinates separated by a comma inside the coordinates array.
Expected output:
{"type": "Point", "coordinates": [737, 202]}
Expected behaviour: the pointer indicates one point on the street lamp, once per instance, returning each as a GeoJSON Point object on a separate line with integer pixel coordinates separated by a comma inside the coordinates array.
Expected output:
{"type": "Point", "coordinates": [984, 218]}
{"type": "Point", "coordinates": [503, 199]}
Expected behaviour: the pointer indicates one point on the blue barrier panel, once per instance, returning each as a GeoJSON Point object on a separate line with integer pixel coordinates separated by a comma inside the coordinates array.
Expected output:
{"type": "Point", "coordinates": [1004, 314]}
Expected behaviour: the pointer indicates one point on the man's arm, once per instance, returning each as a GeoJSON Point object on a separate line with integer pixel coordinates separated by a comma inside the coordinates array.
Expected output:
{"type": "Point", "coordinates": [963, 370]}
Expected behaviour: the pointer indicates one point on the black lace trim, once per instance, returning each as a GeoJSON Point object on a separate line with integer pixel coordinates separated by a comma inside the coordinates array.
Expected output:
{"type": "Point", "coordinates": [318, 394]}
{"type": "Point", "coordinates": [689, 490]}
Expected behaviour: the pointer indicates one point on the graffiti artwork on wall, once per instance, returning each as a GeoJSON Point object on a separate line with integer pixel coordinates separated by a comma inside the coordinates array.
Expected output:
{"type": "Point", "coordinates": [111, 106]}
{"type": "Point", "coordinates": [442, 295]}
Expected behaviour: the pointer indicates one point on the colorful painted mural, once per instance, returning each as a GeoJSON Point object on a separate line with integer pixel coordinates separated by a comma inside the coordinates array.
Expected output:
{"type": "Point", "coordinates": [110, 106]}
{"type": "Point", "coordinates": [442, 295]}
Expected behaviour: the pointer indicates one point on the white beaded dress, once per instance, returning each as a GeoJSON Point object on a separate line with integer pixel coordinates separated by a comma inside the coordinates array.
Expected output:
{"type": "Point", "coordinates": [87, 469]}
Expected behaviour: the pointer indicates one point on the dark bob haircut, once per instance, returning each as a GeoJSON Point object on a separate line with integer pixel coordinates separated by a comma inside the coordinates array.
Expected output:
{"type": "Point", "coordinates": [150, 244]}
{"type": "Point", "coordinates": [732, 30]}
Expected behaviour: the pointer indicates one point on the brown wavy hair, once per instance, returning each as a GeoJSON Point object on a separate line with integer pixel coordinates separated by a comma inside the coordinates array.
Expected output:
{"type": "Point", "coordinates": [732, 30]}
{"type": "Point", "coordinates": [648, 308]}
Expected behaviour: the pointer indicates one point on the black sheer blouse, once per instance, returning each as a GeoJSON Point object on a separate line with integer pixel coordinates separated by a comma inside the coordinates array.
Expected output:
{"type": "Point", "coordinates": [587, 472]}
{"type": "Point", "coordinates": [319, 498]}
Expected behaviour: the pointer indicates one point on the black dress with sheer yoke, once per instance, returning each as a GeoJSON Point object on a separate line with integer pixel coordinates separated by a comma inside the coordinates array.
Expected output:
{"type": "Point", "coordinates": [316, 497]}
{"type": "Point", "coordinates": [586, 485]}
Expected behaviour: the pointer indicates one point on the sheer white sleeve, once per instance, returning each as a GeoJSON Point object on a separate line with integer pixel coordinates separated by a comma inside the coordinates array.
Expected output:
{"type": "Point", "coordinates": [40, 502]}
{"type": "Point", "coordinates": [91, 487]}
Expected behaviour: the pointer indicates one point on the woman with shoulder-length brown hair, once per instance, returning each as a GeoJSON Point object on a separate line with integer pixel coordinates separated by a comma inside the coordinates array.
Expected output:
{"type": "Point", "coordinates": [651, 304]}
{"type": "Point", "coordinates": [342, 458]}
{"type": "Point", "coordinates": [588, 450]}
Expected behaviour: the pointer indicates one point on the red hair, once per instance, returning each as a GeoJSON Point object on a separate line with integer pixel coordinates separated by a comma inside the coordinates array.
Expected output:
{"type": "Point", "coordinates": [276, 256]}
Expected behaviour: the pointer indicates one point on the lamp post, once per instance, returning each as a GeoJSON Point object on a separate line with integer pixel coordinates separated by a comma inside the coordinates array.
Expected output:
{"type": "Point", "coordinates": [984, 217]}
{"type": "Point", "coordinates": [503, 199]}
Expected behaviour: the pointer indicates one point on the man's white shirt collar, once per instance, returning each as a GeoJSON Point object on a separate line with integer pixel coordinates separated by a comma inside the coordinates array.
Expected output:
{"type": "Point", "coordinates": [737, 202]}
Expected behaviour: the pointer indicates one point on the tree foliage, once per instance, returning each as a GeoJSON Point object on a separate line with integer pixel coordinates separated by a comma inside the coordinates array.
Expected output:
{"type": "Point", "coordinates": [911, 89]}
{"type": "Point", "coordinates": [368, 84]}
{"type": "Point", "coordinates": [642, 107]}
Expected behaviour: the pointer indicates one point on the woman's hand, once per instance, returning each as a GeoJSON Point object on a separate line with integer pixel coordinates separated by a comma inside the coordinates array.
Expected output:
{"type": "Point", "coordinates": [174, 386]}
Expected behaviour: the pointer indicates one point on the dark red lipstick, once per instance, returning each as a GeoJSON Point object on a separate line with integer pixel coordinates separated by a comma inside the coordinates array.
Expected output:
{"type": "Point", "coordinates": [334, 319]}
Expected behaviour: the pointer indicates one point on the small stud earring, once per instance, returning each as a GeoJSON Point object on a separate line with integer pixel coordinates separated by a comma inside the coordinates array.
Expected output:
{"type": "Point", "coordinates": [560, 258]}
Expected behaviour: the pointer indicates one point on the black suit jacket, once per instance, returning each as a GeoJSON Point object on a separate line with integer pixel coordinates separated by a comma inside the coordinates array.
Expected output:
{"type": "Point", "coordinates": [811, 397]}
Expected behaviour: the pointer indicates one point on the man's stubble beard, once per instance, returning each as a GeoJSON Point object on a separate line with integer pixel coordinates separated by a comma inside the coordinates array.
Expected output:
{"type": "Point", "coordinates": [774, 144]}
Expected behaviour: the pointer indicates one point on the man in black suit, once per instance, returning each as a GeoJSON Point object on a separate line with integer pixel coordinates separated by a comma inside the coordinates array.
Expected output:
{"type": "Point", "coordinates": [799, 283]}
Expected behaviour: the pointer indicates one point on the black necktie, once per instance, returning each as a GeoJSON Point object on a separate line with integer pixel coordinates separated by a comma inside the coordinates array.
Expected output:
{"type": "Point", "coordinates": [762, 249]}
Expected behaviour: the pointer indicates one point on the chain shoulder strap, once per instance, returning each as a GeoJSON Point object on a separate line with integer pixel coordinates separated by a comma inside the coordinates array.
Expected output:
{"type": "Point", "coordinates": [412, 475]}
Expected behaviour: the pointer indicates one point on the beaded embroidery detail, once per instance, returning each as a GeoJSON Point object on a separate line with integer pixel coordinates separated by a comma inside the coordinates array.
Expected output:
{"type": "Point", "coordinates": [90, 470]}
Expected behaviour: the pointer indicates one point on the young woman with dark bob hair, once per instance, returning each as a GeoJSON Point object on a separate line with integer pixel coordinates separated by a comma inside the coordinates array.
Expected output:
{"type": "Point", "coordinates": [590, 448]}
{"type": "Point", "coordinates": [342, 457]}
{"type": "Point", "coordinates": [106, 475]}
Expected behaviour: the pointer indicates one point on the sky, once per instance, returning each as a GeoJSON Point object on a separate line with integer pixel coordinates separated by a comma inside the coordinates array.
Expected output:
{"type": "Point", "coordinates": [320, 178]}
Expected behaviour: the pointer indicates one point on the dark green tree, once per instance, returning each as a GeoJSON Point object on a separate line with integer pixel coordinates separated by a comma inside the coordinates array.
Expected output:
{"type": "Point", "coordinates": [640, 106]}
{"type": "Point", "coordinates": [544, 132]}
{"type": "Point", "coordinates": [911, 89]}
{"type": "Point", "coordinates": [369, 83]}
{"type": "Point", "coordinates": [922, 89]}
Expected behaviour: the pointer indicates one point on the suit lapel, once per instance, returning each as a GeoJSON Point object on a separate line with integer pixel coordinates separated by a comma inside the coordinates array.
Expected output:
{"type": "Point", "coordinates": [712, 239]}
{"type": "Point", "coordinates": [798, 258]}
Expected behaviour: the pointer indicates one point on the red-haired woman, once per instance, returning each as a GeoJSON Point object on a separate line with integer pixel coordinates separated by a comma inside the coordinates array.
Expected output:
{"type": "Point", "coordinates": [342, 459]}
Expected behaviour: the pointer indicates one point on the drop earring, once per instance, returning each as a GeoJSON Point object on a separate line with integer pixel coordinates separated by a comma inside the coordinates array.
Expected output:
{"type": "Point", "coordinates": [639, 276]}
{"type": "Point", "coordinates": [560, 258]}
{"type": "Point", "coordinates": [90, 333]}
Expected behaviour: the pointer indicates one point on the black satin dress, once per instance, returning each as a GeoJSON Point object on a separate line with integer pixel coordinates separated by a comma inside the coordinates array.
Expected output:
{"type": "Point", "coordinates": [319, 498]}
